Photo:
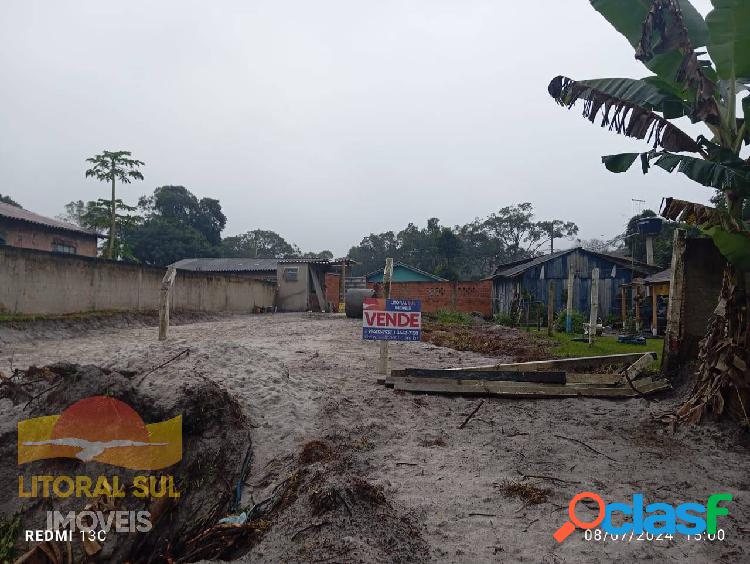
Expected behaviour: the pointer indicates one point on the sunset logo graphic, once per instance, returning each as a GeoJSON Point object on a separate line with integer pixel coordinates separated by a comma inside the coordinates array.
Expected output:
{"type": "Point", "coordinates": [101, 429]}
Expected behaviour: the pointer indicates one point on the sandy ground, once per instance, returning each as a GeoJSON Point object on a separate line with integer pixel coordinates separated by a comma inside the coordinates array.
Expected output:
{"type": "Point", "coordinates": [310, 376]}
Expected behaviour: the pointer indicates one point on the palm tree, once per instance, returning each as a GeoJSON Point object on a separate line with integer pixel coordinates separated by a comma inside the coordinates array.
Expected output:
{"type": "Point", "coordinates": [684, 83]}
{"type": "Point", "coordinates": [110, 166]}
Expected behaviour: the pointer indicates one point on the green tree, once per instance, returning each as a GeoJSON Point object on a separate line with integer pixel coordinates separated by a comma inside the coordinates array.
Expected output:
{"type": "Point", "coordinates": [176, 225]}
{"type": "Point", "coordinates": [258, 243]}
{"type": "Point", "coordinates": [97, 216]}
{"type": "Point", "coordinates": [110, 166]}
{"type": "Point", "coordinates": [663, 242]}
{"type": "Point", "coordinates": [666, 35]}
{"type": "Point", "coordinates": [557, 229]}
{"type": "Point", "coordinates": [10, 201]}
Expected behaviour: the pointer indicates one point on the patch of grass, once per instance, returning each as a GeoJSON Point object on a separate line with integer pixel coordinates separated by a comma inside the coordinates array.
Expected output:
{"type": "Point", "coordinates": [526, 492]}
{"type": "Point", "coordinates": [451, 317]}
{"type": "Point", "coordinates": [607, 344]}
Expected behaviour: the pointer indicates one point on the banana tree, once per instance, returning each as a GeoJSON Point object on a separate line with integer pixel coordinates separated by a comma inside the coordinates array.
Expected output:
{"type": "Point", "coordinates": [708, 87]}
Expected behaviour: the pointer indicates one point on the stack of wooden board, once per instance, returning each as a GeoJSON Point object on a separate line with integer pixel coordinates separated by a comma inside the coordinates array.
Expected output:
{"type": "Point", "coordinates": [547, 378]}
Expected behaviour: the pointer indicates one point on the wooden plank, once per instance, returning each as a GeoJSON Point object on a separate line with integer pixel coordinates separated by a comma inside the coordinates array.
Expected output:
{"type": "Point", "coordinates": [556, 377]}
{"type": "Point", "coordinates": [522, 389]}
{"type": "Point", "coordinates": [580, 363]}
{"type": "Point", "coordinates": [600, 379]}
{"type": "Point", "coordinates": [570, 378]}
{"type": "Point", "coordinates": [318, 288]}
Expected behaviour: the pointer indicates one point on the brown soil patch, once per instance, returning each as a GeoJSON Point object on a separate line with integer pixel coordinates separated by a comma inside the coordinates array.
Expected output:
{"type": "Point", "coordinates": [526, 492]}
{"type": "Point", "coordinates": [488, 339]}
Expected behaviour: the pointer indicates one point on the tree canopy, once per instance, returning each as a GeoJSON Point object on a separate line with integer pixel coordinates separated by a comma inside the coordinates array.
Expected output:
{"type": "Point", "coordinates": [10, 201]}
{"type": "Point", "coordinates": [467, 251]}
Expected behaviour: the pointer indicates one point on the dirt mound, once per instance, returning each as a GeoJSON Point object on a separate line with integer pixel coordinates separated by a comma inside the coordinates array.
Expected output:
{"type": "Point", "coordinates": [489, 339]}
{"type": "Point", "coordinates": [330, 513]}
{"type": "Point", "coordinates": [215, 454]}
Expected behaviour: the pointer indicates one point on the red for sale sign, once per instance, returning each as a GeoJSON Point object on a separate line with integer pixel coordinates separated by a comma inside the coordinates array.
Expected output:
{"type": "Point", "coordinates": [391, 320]}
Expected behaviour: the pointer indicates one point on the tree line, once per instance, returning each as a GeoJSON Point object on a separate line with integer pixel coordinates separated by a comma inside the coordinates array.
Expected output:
{"type": "Point", "coordinates": [173, 223]}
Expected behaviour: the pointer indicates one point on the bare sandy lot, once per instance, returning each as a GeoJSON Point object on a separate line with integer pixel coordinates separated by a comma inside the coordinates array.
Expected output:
{"type": "Point", "coordinates": [304, 377]}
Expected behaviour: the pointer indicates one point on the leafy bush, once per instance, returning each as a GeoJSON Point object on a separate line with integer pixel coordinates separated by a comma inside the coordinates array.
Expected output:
{"type": "Point", "coordinates": [504, 319]}
{"type": "Point", "coordinates": [578, 320]}
{"type": "Point", "coordinates": [452, 317]}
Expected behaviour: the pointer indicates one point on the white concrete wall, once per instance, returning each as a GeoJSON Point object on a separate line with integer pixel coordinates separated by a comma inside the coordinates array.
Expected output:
{"type": "Point", "coordinates": [35, 282]}
{"type": "Point", "coordinates": [293, 295]}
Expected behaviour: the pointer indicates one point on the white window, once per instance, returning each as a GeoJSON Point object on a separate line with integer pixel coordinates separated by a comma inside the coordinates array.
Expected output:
{"type": "Point", "coordinates": [63, 247]}
{"type": "Point", "coordinates": [291, 273]}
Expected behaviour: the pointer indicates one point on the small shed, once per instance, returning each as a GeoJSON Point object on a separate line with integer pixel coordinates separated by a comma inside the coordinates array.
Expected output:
{"type": "Point", "coordinates": [404, 273]}
{"type": "Point", "coordinates": [528, 280]}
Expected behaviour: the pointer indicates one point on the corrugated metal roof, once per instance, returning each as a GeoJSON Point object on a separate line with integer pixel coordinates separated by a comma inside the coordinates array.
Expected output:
{"type": "Point", "coordinates": [659, 277]}
{"type": "Point", "coordinates": [409, 267]}
{"type": "Point", "coordinates": [227, 264]}
{"type": "Point", "coordinates": [518, 267]}
{"type": "Point", "coordinates": [20, 214]}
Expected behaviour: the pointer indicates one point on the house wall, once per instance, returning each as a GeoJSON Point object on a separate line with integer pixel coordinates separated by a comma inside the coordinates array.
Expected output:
{"type": "Point", "coordinates": [41, 283]}
{"type": "Point", "coordinates": [293, 295]}
{"type": "Point", "coordinates": [535, 281]}
{"type": "Point", "coordinates": [697, 273]}
{"type": "Point", "coordinates": [30, 236]}
{"type": "Point", "coordinates": [467, 297]}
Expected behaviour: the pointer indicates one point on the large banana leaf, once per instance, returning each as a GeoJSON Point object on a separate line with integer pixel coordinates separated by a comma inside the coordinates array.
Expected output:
{"type": "Point", "coordinates": [729, 38]}
{"type": "Point", "coordinates": [622, 115]}
{"type": "Point", "coordinates": [735, 246]}
{"type": "Point", "coordinates": [627, 17]}
{"type": "Point", "coordinates": [651, 93]}
{"type": "Point", "coordinates": [716, 175]}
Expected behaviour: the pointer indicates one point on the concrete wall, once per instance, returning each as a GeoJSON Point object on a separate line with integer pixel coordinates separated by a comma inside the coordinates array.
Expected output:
{"type": "Point", "coordinates": [34, 282]}
{"type": "Point", "coordinates": [29, 236]}
{"type": "Point", "coordinates": [466, 297]}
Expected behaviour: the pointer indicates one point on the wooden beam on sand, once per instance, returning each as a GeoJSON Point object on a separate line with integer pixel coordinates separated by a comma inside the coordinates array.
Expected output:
{"type": "Point", "coordinates": [556, 377]}
{"type": "Point", "coordinates": [566, 364]}
{"type": "Point", "coordinates": [524, 389]}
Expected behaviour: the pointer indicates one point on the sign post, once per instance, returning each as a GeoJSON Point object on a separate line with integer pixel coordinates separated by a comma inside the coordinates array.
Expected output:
{"type": "Point", "coordinates": [387, 276]}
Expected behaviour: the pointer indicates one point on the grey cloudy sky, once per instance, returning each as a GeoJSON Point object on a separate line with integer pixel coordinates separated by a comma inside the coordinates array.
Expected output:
{"type": "Point", "coordinates": [322, 120]}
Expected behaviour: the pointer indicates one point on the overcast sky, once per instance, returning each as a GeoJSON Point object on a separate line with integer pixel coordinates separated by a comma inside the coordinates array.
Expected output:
{"type": "Point", "coordinates": [322, 120]}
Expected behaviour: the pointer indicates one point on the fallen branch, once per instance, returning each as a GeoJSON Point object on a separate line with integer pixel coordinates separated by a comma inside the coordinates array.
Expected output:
{"type": "Point", "coordinates": [162, 365]}
{"type": "Point", "coordinates": [52, 387]}
{"type": "Point", "coordinates": [462, 425]}
{"type": "Point", "coordinates": [592, 449]}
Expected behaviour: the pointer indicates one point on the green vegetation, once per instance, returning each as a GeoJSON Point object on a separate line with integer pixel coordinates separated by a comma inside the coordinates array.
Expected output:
{"type": "Point", "coordinates": [578, 320]}
{"type": "Point", "coordinates": [565, 346]}
{"type": "Point", "coordinates": [9, 528]}
{"type": "Point", "coordinates": [448, 317]}
{"type": "Point", "coordinates": [468, 251]}
{"type": "Point", "coordinates": [699, 70]}
{"type": "Point", "coordinates": [504, 319]}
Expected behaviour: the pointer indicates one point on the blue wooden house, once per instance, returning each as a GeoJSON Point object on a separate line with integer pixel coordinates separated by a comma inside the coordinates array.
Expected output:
{"type": "Point", "coordinates": [528, 280]}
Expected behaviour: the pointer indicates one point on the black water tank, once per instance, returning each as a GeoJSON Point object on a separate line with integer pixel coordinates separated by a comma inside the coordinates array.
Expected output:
{"type": "Point", "coordinates": [649, 226]}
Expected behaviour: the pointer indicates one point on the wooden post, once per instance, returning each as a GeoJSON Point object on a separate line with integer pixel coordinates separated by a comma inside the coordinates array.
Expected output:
{"type": "Point", "coordinates": [623, 305]}
{"type": "Point", "coordinates": [166, 289]}
{"type": "Point", "coordinates": [569, 308]}
{"type": "Point", "coordinates": [654, 318]}
{"type": "Point", "coordinates": [387, 276]}
{"type": "Point", "coordinates": [650, 250]}
{"type": "Point", "coordinates": [342, 287]}
{"type": "Point", "coordinates": [594, 313]}
{"type": "Point", "coordinates": [550, 306]}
